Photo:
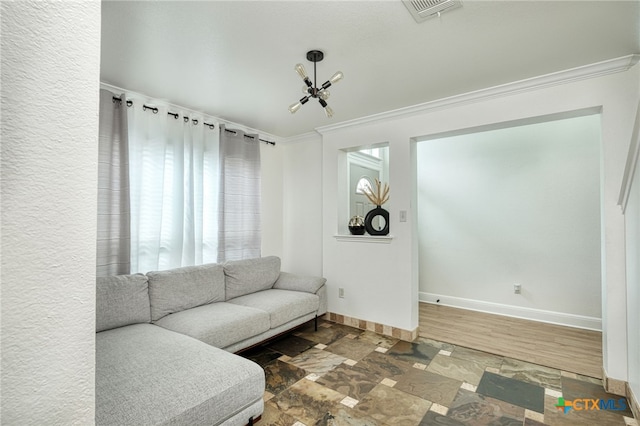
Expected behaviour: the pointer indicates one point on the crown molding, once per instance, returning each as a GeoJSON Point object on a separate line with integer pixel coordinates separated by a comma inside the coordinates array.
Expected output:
{"type": "Point", "coordinates": [304, 137]}
{"type": "Point", "coordinates": [610, 66]}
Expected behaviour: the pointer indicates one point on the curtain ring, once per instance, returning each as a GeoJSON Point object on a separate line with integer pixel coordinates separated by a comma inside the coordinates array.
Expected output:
{"type": "Point", "coordinates": [154, 109]}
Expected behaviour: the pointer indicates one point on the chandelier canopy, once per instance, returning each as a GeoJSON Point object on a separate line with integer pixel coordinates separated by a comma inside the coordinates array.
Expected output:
{"type": "Point", "coordinates": [311, 90]}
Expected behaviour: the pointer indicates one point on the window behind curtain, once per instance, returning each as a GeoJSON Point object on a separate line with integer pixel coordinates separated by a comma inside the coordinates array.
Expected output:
{"type": "Point", "coordinates": [113, 245]}
{"type": "Point", "coordinates": [174, 190]}
{"type": "Point", "coordinates": [193, 199]}
{"type": "Point", "coordinates": [239, 234]}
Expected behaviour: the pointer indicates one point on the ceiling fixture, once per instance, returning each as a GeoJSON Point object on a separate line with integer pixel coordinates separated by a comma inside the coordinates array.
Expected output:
{"type": "Point", "coordinates": [311, 90]}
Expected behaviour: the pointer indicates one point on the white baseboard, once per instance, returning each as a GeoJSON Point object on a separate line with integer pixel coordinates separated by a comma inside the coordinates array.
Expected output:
{"type": "Point", "coordinates": [560, 318]}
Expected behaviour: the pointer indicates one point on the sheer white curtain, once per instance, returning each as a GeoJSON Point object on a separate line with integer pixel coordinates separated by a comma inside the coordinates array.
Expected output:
{"type": "Point", "coordinates": [239, 233]}
{"type": "Point", "coordinates": [113, 245]}
{"type": "Point", "coordinates": [174, 189]}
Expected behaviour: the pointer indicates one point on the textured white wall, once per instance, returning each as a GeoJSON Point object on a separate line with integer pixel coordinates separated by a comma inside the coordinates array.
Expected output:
{"type": "Point", "coordinates": [514, 205]}
{"type": "Point", "coordinates": [50, 75]}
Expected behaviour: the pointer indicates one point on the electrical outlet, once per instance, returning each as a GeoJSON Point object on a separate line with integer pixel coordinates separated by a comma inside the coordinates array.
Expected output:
{"type": "Point", "coordinates": [341, 293]}
{"type": "Point", "coordinates": [517, 288]}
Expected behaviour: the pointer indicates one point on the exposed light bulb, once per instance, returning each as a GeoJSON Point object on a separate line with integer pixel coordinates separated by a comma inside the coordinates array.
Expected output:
{"type": "Point", "coordinates": [333, 80]}
{"type": "Point", "coordinates": [328, 111]}
{"type": "Point", "coordinates": [301, 71]}
{"type": "Point", "coordinates": [324, 94]}
{"type": "Point", "coordinates": [295, 107]}
{"type": "Point", "coordinates": [305, 90]}
{"type": "Point", "coordinates": [336, 77]}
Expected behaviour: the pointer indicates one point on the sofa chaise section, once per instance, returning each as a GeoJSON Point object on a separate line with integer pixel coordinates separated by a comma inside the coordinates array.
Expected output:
{"type": "Point", "coordinates": [148, 375]}
{"type": "Point", "coordinates": [165, 340]}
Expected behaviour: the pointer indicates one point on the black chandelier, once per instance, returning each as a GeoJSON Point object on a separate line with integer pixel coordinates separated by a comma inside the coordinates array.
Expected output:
{"type": "Point", "coordinates": [311, 90]}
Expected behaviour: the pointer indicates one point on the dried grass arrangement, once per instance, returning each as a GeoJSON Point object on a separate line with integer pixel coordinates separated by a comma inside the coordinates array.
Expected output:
{"type": "Point", "coordinates": [380, 196]}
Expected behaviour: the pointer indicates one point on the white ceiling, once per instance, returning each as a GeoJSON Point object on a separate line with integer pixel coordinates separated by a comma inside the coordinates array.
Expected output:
{"type": "Point", "coordinates": [235, 59]}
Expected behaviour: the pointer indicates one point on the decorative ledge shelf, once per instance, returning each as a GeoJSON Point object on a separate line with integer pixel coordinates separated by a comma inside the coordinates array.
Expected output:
{"type": "Point", "coordinates": [386, 239]}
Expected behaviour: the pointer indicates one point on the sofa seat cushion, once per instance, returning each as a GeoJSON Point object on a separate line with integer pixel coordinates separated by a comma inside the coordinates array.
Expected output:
{"type": "Point", "coordinates": [282, 305]}
{"type": "Point", "coordinates": [218, 324]}
{"type": "Point", "coordinates": [146, 375]}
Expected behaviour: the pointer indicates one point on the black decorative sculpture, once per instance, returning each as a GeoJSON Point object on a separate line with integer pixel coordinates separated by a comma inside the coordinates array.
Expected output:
{"type": "Point", "coordinates": [379, 197]}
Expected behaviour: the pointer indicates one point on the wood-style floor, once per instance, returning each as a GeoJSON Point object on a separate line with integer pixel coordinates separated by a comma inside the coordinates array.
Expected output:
{"type": "Point", "coordinates": [565, 348]}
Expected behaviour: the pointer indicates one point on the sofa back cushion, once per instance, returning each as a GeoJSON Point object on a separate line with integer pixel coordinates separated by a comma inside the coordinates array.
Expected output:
{"type": "Point", "coordinates": [122, 300]}
{"type": "Point", "coordinates": [250, 275]}
{"type": "Point", "coordinates": [183, 288]}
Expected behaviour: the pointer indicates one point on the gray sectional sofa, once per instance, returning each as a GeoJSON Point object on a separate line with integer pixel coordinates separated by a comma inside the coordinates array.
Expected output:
{"type": "Point", "coordinates": [165, 340]}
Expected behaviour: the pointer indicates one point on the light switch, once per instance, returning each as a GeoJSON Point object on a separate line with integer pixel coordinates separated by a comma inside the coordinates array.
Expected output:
{"type": "Point", "coordinates": [403, 215]}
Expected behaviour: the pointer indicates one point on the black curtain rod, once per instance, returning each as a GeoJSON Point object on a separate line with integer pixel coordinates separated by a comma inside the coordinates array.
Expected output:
{"type": "Point", "coordinates": [155, 111]}
{"type": "Point", "coordinates": [252, 137]}
{"type": "Point", "coordinates": [186, 119]}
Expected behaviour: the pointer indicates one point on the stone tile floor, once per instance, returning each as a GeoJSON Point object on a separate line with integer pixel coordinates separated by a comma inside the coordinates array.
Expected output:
{"type": "Point", "coordinates": [341, 375]}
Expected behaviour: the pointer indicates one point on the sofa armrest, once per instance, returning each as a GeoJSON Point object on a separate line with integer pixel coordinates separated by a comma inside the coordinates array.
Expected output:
{"type": "Point", "coordinates": [309, 284]}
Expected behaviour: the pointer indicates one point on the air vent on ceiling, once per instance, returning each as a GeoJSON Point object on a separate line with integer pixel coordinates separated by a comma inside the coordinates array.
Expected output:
{"type": "Point", "coordinates": [422, 10]}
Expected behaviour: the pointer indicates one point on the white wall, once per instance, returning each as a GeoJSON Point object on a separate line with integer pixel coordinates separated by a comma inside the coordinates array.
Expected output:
{"type": "Point", "coordinates": [50, 74]}
{"type": "Point", "coordinates": [380, 280]}
{"type": "Point", "coordinates": [514, 205]}
{"type": "Point", "coordinates": [271, 175]}
{"type": "Point", "coordinates": [630, 200]}
{"type": "Point", "coordinates": [302, 251]}
{"type": "Point", "coordinates": [632, 215]}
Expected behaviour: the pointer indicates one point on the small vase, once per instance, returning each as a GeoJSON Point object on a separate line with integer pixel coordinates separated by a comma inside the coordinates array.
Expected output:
{"type": "Point", "coordinates": [371, 215]}
{"type": "Point", "coordinates": [356, 225]}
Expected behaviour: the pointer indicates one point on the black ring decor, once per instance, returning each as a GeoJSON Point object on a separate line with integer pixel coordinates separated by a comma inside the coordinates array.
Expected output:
{"type": "Point", "coordinates": [368, 219]}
